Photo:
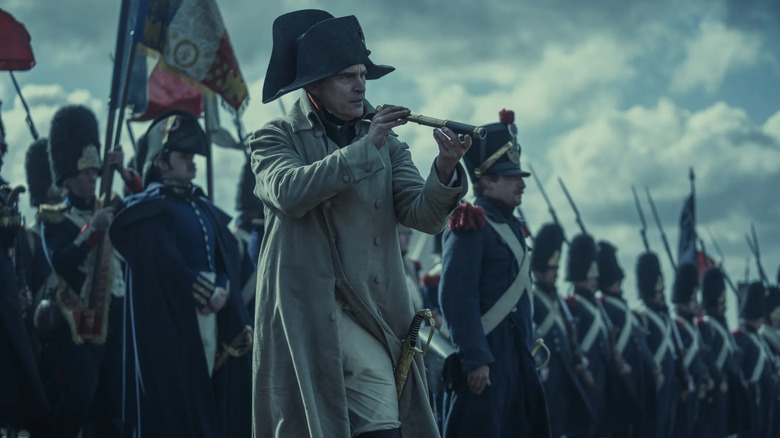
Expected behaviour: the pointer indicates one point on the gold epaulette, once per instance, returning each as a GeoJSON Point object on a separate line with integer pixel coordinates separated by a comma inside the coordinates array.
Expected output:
{"type": "Point", "coordinates": [51, 214]}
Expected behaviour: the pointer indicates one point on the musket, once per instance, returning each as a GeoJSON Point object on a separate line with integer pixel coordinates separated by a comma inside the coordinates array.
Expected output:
{"type": "Point", "coordinates": [722, 258]}
{"type": "Point", "coordinates": [660, 229]}
{"type": "Point", "coordinates": [409, 348]}
{"type": "Point", "coordinates": [573, 206]}
{"type": "Point", "coordinates": [757, 254]}
{"type": "Point", "coordinates": [643, 230]}
{"type": "Point", "coordinates": [550, 207]}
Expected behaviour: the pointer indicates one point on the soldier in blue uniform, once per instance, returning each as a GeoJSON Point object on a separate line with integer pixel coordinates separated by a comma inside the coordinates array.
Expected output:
{"type": "Point", "coordinates": [630, 341]}
{"type": "Point", "coordinates": [654, 318]}
{"type": "Point", "coordinates": [485, 298]}
{"type": "Point", "coordinates": [770, 333]}
{"type": "Point", "coordinates": [566, 377]}
{"type": "Point", "coordinates": [188, 330]}
{"type": "Point", "coordinates": [756, 362]}
{"type": "Point", "coordinates": [686, 308]}
{"type": "Point", "coordinates": [88, 343]}
{"type": "Point", "coordinates": [722, 411]}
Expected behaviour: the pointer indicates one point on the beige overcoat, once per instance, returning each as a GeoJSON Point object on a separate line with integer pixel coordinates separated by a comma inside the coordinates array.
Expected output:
{"type": "Point", "coordinates": [319, 201]}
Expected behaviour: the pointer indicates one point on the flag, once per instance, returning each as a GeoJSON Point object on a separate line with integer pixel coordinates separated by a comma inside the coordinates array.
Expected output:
{"type": "Point", "coordinates": [703, 261]}
{"type": "Point", "coordinates": [15, 49]}
{"type": "Point", "coordinates": [686, 249]}
{"type": "Point", "coordinates": [150, 95]}
{"type": "Point", "coordinates": [190, 38]}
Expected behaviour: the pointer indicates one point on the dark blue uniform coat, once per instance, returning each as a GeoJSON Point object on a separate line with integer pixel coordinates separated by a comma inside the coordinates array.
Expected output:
{"type": "Point", "coordinates": [168, 391]}
{"type": "Point", "coordinates": [688, 409]}
{"type": "Point", "coordinates": [757, 369]}
{"type": "Point", "coordinates": [477, 268]}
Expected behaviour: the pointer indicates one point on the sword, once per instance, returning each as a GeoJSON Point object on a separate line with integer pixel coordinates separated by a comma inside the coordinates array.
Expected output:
{"type": "Point", "coordinates": [409, 348]}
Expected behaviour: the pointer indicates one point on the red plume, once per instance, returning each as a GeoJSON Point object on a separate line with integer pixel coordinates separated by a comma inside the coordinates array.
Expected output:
{"type": "Point", "coordinates": [506, 116]}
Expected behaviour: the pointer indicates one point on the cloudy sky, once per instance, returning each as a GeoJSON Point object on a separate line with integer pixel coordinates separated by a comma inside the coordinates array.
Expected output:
{"type": "Point", "coordinates": [606, 94]}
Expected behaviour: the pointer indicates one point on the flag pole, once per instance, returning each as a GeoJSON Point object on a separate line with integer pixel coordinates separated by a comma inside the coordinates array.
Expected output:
{"type": "Point", "coordinates": [29, 119]}
{"type": "Point", "coordinates": [211, 116]}
{"type": "Point", "coordinates": [125, 88]}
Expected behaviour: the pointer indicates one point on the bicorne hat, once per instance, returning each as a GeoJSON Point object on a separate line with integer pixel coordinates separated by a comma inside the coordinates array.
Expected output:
{"type": "Point", "coordinates": [582, 259]}
{"type": "Point", "coordinates": [547, 248]}
{"type": "Point", "coordinates": [310, 45]}
{"type": "Point", "coordinates": [499, 152]}
{"type": "Point", "coordinates": [73, 142]}
{"type": "Point", "coordinates": [609, 268]}
{"type": "Point", "coordinates": [175, 130]}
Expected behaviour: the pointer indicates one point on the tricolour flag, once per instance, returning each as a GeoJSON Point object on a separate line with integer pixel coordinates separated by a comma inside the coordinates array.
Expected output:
{"type": "Point", "coordinates": [15, 50]}
{"type": "Point", "coordinates": [152, 94]}
{"type": "Point", "coordinates": [686, 249]}
{"type": "Point", "coordinates": [190, 38]}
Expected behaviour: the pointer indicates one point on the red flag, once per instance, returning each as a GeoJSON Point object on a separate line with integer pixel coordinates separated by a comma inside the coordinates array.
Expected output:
{"type": "Point", "coordinates": [15, 49]}
{"type": "Point", "coordinates": [703, 261]}
{"type": "Point", "coordinates": [168, 90]}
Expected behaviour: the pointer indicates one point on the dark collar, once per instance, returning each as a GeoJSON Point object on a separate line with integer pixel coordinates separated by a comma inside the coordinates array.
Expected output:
{"type": "Point", "coordinates": [80, 203]}
{"type": "Point", "coordinates": [496, 209]}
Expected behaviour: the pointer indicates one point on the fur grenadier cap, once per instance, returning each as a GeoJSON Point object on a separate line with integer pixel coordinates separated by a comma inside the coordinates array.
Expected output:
{"type": "Point", "coordinates": [245, 195]}
{"type": "Point", "coordinates": [713, 288]}
{"type": "Point", "coordinates": [498, 153]}
{"type": "Point", "coordinates": [310, 45]}
{"type": "Point", "coordinates": [74, 143]}
{"type": "Point", "coordinates": [582, 259]}
{"type": "Point", "coordinates": [467, 217]}
{"type": "Point", "coordinates": [754, 302]}
{"type": "Point", "coordinates": [685, 283]}
{"type": "Point", "coordinates": [176, 130]}
{"type": "Point", "coordinates": [547, 248]}
{"type": "Point", "coordinates": [648, 276]}
{"type": "Point", "coordinates": [609, 268]}
{"type": "Point", "coordinates": [772, 304]}
{"type": "Point", "coordinates": [38, 170]}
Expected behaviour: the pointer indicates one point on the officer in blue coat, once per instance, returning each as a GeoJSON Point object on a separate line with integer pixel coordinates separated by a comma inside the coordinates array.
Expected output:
{"type": "Point", "coordinates": [566, 377]}
{"type": "Point", "coordinates": [485, 299]}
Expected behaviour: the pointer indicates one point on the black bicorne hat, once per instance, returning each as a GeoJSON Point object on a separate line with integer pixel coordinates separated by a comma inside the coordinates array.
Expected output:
{"type": "Point", "coordinates": [754, 302]}
{"type": "Point", "coordinates": [582, 259]}
{"type": "Point", "coordinates": [713, 287]}
{"type": "Point", "coordinates": [176, 130]}
{"type": "Point", "coordinates": [648, 275]}
{"type": "Point", "coordinates": [499, 152]}
{"type": "Point", "coordinates": [311, 45]}
{"type": "Point", "coordinates": [609, 268]}
{"type": "Point", "coordinates": [245, 196]}
{"type": "Point", "coordinates": [686, 281]}
{"type": "Point", "coordinates": [74, 143]}
{"type": "Point", "coordinates": [38, 170]}
{"type": "Point", "coordinates": [547, 248]}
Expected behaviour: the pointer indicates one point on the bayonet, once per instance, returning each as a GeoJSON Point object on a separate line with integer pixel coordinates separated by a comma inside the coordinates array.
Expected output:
{"type": "Point", "coordinates": [643, 230]}
{"type": "Point", "coordinates": [660, 229]}
{"type": "Point", "coordinates": [573, 206]}
{"type": "Point", "coordinates": [757, 253]}
{"type": "Point", "coordinates": [550, 207]}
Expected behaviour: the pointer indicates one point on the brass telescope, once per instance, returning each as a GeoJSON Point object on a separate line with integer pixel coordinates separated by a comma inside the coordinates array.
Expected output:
{"type": "Point", "coordinates": [476, 132]}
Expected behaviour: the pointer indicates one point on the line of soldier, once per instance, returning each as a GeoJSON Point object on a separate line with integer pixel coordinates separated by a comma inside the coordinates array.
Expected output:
{"type": "Point", "coordinates": [81, 350]}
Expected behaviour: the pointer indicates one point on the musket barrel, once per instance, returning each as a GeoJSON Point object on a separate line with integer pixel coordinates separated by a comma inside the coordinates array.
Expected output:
{"type": "Point", "coordinates": [477, 132]}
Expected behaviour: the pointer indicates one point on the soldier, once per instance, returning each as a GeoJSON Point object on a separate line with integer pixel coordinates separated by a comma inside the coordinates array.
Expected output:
{"type": "Point", "coordinates": [756, 363]}
{"type": "Point", "coordinates": [90, 293]}
{"type": "Point", "coordinates": [630, 341]}
{"type": "Point", "coordinates": [188, 330]}
{"type": "Point", "coordinates": [22, 399]}
{"type": "Point", "coordinates": [566, 377]}
{"type": "Point", "coordinates": [686, 309]}
{"type": "Point", "coordinates": [654, 318]}
{"type": "Point", "coordinates": [485, 299]}
{"type": "Point", "coordinates": [335, 182]}
{"type": "Point", "coordinates": [722, 411]}
{"type": "Point", "coordinates": [770, 332]}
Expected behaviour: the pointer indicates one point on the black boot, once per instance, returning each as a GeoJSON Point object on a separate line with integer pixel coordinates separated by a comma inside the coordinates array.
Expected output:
{"type": "Point", "coordinates": [387, 433]}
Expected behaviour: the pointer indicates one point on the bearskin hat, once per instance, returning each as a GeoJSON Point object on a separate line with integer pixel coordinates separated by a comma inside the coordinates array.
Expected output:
{"type": "Point", "coordinates": [38, 170]}
{"type": "Point", "coordinates": [582, 259]}
{"type": "Point", "coordinates": [685, 283]}
{"type": "Point", "coordinates": [74, 143]}
{"type": "Point", "coordinates": [754, 302]}
{"type": "Point", "coordinates": [547, 248]}
{"type": "Point", "coordinates": [175, 130]}
{"type": "Point", "coordinates": [713, 287]}
{"type": "Point", "coordinates": [648, 274]}
{"type": "Point", "coordinates": [609, 268]}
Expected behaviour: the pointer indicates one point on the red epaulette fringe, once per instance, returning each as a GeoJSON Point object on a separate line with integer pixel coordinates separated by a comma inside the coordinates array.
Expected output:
{"type": "Point", "coordinates": [467, 217]}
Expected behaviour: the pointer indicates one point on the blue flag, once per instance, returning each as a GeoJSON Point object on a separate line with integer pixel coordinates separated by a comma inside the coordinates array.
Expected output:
{"type": "Point", "coordinates": [686, 249]}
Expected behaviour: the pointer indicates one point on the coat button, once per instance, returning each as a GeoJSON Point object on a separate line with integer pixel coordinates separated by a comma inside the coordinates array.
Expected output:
{"type": "Point", "coordinates": [378, 279]}
{"type": "Point", "coordinates": [514, 309]}
{"type": "Point", "coordinates": [345, 178]}
{"type": "Point", "coordinates": [332, 316]}
{"type": "Point", "coordinates": [367, 168]}
{"type": "Point", "coordinates": [317, 134]}
{"type": "Point", "coordinates": [377, 241]}
{"type": "Point", "coordinates": [377, 203]}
